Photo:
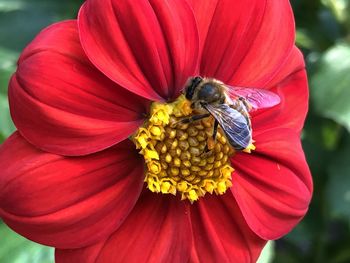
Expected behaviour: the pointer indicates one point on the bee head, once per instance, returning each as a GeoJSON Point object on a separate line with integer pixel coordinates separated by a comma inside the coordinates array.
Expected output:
{"type": "Point", "coordinates": [194, 82]}
{"type": "Point", "coordinates": [209, 93]}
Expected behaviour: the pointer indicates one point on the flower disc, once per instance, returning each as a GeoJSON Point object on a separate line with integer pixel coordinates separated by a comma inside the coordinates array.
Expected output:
{"type": "Point", "coordinates": [176, 153]}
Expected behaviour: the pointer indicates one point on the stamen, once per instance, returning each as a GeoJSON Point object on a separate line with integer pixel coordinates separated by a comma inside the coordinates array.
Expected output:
{"type": "Point", "coordinates": [174, 153]}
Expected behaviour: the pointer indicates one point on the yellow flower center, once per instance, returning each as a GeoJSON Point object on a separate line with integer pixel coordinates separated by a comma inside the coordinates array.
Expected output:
{"type": "Point", "coordinates": [175, 153]}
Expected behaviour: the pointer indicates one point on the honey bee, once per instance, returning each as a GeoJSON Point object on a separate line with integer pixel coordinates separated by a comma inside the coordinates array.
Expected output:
{"type": "Point", "coordinates": [229, 106]}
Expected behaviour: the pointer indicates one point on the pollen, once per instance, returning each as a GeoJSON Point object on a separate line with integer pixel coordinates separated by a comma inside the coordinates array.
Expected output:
{"type": "Point", "coordinates": [183, 159]}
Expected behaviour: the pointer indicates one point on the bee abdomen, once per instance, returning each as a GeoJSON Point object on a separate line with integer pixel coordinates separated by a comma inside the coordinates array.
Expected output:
{"type": "Point", "coordinates": [241, 140]}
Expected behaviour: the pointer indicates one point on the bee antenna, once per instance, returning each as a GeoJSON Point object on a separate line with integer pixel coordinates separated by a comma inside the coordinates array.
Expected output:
{"type": "Point", "coordinates": [196, 80]}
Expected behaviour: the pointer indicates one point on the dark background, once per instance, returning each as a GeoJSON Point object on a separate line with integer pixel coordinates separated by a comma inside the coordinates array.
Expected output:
{"type": "Point", "coordinates": [323, 34]}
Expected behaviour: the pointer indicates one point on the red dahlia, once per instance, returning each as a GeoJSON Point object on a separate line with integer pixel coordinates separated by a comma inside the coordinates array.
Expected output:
{"type": "Point", "coordinates": [88, 92]}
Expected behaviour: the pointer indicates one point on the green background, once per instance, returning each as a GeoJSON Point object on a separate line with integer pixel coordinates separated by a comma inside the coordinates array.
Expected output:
{"type": "Point", "coordinates": [323, 34]}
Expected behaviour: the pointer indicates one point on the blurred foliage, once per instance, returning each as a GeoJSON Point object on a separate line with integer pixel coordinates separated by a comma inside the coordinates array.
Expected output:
{"type": "Point", "coordinates": [331, 84]}
{"type": "Point", "coordinates": [267, 253]}
{"type": "Point", "coordinates": [323, 34]}
{"type": "Point", "coordinates": [40, 13]}
{"type": "Point", "coordinates": [17, 249]}
{"type": "Point", "coordinates": [15, 33]}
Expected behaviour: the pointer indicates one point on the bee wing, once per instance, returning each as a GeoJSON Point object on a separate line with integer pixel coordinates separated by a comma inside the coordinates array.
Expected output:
{"type": "Point", "coordinates": [257, 98]}
{"type": "Point", "coordinates": [233, 123]}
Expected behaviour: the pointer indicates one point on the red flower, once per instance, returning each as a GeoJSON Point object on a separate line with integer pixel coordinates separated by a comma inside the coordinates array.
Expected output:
{"type": "Point", "coordinates": [72, 179]}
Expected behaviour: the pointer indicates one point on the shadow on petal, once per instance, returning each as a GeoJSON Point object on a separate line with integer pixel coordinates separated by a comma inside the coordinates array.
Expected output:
{"type": "Point", "coordinates": [65, 201]}
{"type": "Point", "coordinates": [273, 184]}
{"type": "Point", "coordinates": [220, 233]}
{"type": "Point", "coordinates": [62, 104]}
{"type": "Point", "coordinates": [157, 230]}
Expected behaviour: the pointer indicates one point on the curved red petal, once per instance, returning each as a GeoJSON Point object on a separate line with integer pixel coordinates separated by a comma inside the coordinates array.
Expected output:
{"type": "Point", "coordinates": [62, 104]}
{"type": "Point", "coordinates": [292, 110]}
{"type": "Point", "coordinates": [81, 255]}
{"type": "Point", "coordinates": [292, 64]}
{"type": "Point", "coordinates": [203, 12]}
{"type": "Point", "coordinates": [244, 42]}
{"type": "Point", "coordinates": [148, 47]}
{"type": "Point", "coordinates": [64, 201]}
{"type": "Point", "coordinates": [273, 184]}
{"type": "Point", "coordinates": [220, 233]}
{"type": "Point", "coordinates": [157, 230]}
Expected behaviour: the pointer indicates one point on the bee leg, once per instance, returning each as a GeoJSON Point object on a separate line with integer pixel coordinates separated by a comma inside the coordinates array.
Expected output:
{"type": "Point", "coordinates": [211, 141]}
{"type": "Point", "coordinates": [215, 129]}
{"type": "Point", "coordinates": [245, 103]}
{"type": "Point", "coordinates": [191, 119]}
{"type": "Point", "coordinates": [195, 118]}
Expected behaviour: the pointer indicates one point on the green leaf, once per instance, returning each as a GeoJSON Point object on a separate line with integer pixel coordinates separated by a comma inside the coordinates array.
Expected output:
{"type": "Point", "coordinates": [8, 60]}
{"type": "Point", "coordinates": [9, 6]}
{"type": "Point", "coordinates": [342, 257]}
{"type": "Point", "coordinates": [17, 249]}
{"type": "Point", "coordinates": [338, 188]}
{"type": "Point", "coordinates": [267, 254]}
{"type": "Point", "coordinates": [339, 8]}
{"type": "Point", "coordinates": [24, 19]}
{"type": "Point", "coordinates": [6, 125]}
{"type": "Point", "coordinates": [303, 39]}
{"type": "Point", "coordinates": [330, 85]}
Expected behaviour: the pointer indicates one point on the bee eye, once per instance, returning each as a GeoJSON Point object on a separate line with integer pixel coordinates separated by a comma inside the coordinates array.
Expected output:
{"type": "Point", "coordinates": [192, 86]}
{"type": "Point", "coordinates": [208, 93]}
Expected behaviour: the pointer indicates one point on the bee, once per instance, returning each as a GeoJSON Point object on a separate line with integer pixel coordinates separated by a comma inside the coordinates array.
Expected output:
{"type": "Point", "coordinates": [230, 107]}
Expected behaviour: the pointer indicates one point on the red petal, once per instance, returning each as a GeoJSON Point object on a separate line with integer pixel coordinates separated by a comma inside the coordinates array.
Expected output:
{"type": "Point", "coordinates": [273, 185]}
{"type": "Point", "coordinates": [246, 41]}
{"type": "Point", "coordinates": [62, 104]}
{"type": "Point", "coordinates": [291, 112]}
{"type": "Point", "coordinates": [204, 12]}
{"type": "Point", "coordinates": [293, 63]}
{"type": "Point", "coordinates": [157, 230]}
{"type": "Point", "coordinates": [82, 255]}
{"type": "Point", "coordinates": [220, 233]}
{"type": "Point", "coordinates": [67, 202]}
{"type": "Point", "coordinates": [148, 47]}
